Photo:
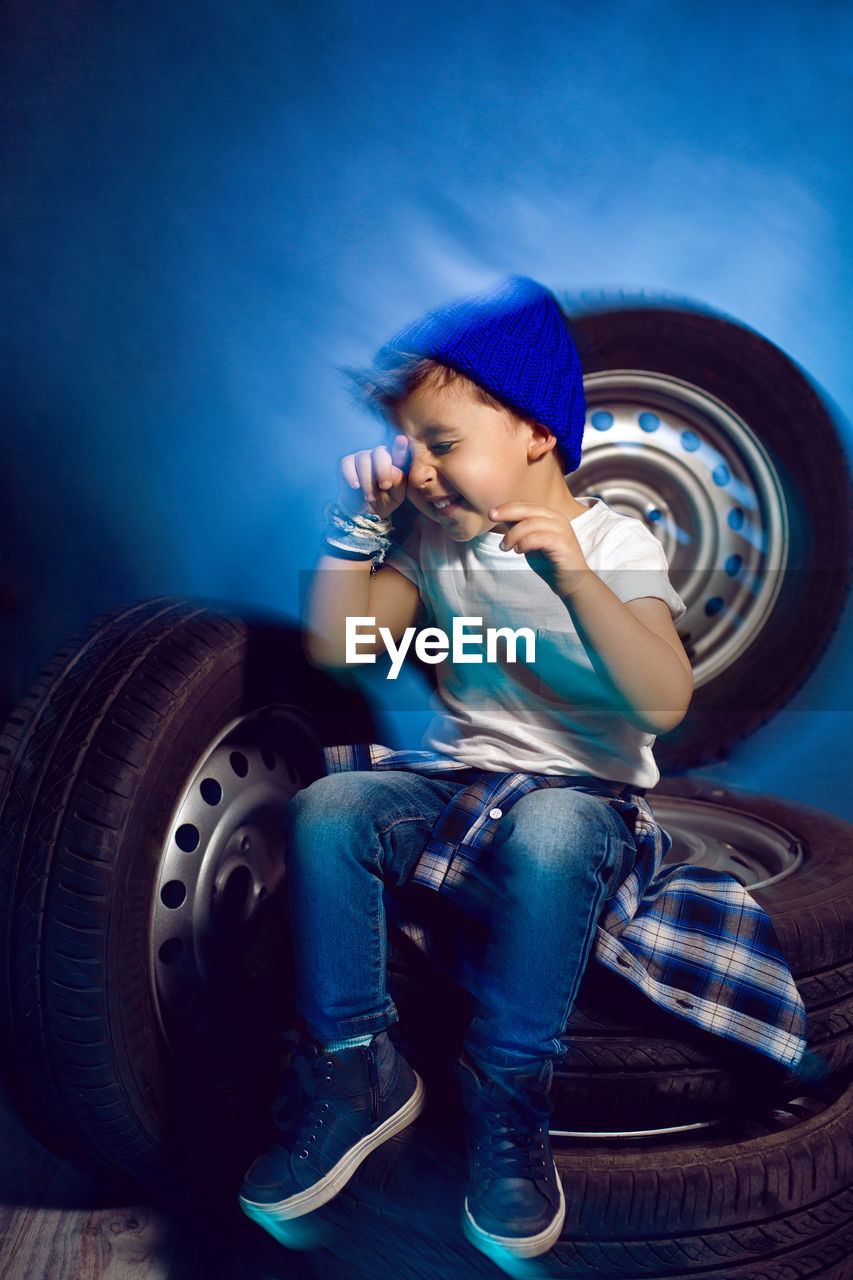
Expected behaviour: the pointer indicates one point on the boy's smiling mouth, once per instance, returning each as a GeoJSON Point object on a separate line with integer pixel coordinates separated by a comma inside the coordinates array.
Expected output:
{"type": "Point", "coordinates": [444, 503]}
{"type": "Point", "coordinates": [450, 505]}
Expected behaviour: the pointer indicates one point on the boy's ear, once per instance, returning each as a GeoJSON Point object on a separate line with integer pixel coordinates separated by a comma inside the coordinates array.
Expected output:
{"type": "Point", "coordinates": [542, 440]}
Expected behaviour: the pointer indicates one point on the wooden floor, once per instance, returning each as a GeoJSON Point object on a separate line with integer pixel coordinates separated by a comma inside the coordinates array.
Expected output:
{"type": "Point", "coordinates": [57, 1223]}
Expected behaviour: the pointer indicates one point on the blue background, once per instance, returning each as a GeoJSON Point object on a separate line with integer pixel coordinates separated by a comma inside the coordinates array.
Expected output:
{"type": "Point", "coordinates": [208, 207]}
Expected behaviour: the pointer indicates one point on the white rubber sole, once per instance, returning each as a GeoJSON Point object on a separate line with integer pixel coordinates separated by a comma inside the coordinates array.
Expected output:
{"type": "Point", "coordinates": [518, 1247]}
{"type": "Point", "coordinates": [339, 1175]}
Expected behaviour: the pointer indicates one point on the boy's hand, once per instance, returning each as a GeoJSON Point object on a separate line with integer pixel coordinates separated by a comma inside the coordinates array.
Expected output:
{"type": "Point", "coordinates": [547, 539]}
{"type": "Point", "coordinates": [374, 478]}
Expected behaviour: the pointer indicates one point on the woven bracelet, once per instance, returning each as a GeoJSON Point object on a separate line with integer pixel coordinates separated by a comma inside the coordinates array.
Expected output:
{"type": "Point", "coordinates": [365, 536]}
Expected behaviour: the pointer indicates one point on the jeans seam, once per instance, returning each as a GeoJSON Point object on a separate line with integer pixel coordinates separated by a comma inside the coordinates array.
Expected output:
{"type": "Point", "coordinates": [603, 856]}
{"type": "Point", "coordinates": [385, 862]}
{"type": "Point", "coordinates": [383, 832]}
{"type": "Point", "coordinates": [596, 905]}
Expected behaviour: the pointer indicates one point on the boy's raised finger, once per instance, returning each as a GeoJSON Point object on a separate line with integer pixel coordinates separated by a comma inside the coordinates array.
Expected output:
{"type": "Point", "coordinates": [400, 450]}
{"type": "Point", "coordinates": [386, 473]}
{"type": "Point", "coordinates": [349, 473]}
{"type": "Point", "coordinates": [383, 467]}
{"type": "Point", "coordinates": [366, 477]}
{"type": "Point", "coordinates": [513, 511]}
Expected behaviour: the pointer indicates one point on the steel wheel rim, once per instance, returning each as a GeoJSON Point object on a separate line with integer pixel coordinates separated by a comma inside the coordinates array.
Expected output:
{"type": "Point", "coordinates": [757, 853]}
{"type": "Point", "coordinates": [784, 1114]}
{"type": "Point", "coordinates": [222, 861]}
{"type": "Point", "coordinates": [636, 1135]}
{"type": "Point", "coordinates": [676, 457]}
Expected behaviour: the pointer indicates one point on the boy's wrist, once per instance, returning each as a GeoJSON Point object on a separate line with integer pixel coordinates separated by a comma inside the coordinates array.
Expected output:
{"type": "Point", "coordinates": [356, 536]}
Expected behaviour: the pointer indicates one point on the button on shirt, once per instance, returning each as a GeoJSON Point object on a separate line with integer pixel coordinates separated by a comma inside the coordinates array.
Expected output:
{"type": "Point", "coordinates": [692, 940]}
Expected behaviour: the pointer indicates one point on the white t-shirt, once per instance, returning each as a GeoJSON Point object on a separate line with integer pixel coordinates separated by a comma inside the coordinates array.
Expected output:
{"type": "Point", "coordinates": [555, 714]}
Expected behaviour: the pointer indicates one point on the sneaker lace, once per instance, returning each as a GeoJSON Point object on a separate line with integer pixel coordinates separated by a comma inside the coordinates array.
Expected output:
{"type": "Point", "coordinates": [300, 1115]}
{"type": "Point", "coordinates": [508, 1141]}
{"type": "Point", "coordinates": [294, 1105]}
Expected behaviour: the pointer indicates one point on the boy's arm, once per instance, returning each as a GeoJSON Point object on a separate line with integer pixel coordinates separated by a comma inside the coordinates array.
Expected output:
{"type": "Point", "coordinates": [342, 589]}
{"type": "Point", "coordinates": [632, 645]}
{"type": "Point", "coordinates": [346, 588]}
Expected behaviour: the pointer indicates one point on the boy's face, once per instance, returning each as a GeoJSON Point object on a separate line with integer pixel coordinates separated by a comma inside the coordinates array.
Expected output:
{"type": "Point", "coordinates": [465, 451]}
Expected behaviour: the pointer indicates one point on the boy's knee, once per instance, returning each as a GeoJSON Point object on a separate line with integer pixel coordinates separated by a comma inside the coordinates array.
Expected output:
{"type": "Point", "coordinates": [325, 799]}
{"type": "Point", "coordinates": [553, 824]}
{"type": "Point", "coordinates": [555, 809]}
{"type": "Point", "coordinates": [360, 800]}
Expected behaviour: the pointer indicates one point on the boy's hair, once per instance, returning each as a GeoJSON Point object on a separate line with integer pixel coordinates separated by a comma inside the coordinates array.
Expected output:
{"type": "Point", "coordinates": [385, 389]}
{"type": "Point", "coordinates": [510, 343]}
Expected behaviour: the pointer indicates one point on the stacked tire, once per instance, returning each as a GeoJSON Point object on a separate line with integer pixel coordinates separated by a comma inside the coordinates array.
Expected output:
{"type": "Point", "coordinates": [145, 963]}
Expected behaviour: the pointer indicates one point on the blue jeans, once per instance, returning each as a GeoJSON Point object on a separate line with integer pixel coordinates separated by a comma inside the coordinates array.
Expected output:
{"type": "Point", "coordinates": [557, 855]}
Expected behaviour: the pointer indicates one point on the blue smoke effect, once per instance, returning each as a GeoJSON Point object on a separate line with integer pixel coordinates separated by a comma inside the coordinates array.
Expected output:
{"type": "Point", "coordinates": [210, 207]}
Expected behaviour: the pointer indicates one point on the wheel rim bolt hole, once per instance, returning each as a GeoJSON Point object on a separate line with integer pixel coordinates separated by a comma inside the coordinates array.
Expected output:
{"type": "Point", "coordinates": [239, 763]}
{"type": "Point", "coordinates": [173, 894]}
{"type": "Point", "coordinates": [268, 757]}
{"type": "Point", "coordinates": [211, 791]}
{"type": "Point", "coordinates": [235, 897]}
{"type": "Point", "coordinates": [187, 837]}
{"type": "Point", "coordinates": [171, 951]}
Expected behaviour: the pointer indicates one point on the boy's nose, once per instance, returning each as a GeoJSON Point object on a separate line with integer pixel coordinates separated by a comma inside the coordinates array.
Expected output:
{"type": "Point", "coordinates": [421, 472]}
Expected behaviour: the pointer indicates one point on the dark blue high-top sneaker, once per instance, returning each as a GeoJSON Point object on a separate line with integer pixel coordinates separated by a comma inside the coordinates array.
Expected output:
{"type": "Point", "coordinates": [342, 1107]}
{"type": "Point", "coordinates": [515, 1201]}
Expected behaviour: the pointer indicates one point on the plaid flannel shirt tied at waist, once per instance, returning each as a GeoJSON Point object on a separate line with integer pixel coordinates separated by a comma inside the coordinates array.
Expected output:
{"type": "Point", "coordinates": [691, 939]}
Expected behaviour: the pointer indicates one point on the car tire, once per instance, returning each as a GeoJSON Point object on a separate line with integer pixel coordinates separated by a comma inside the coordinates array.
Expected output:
{"type": "Point", "coordinates": [630, 1065]}
{"type": "Point", "coordinates": [144, 964]}
{"type": "Point", "coordinates": [714, 438]}
{"type": "Point", "coordinates": [769, 1199]}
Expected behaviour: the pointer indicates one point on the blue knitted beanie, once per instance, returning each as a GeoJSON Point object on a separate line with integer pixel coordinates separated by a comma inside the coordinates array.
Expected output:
{"type": "Point", "coordinates": [513, 341]}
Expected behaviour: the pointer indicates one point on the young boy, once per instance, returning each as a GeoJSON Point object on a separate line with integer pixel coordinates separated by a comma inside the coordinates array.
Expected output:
{"type": "Point", "coordinates": [533, 772]}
